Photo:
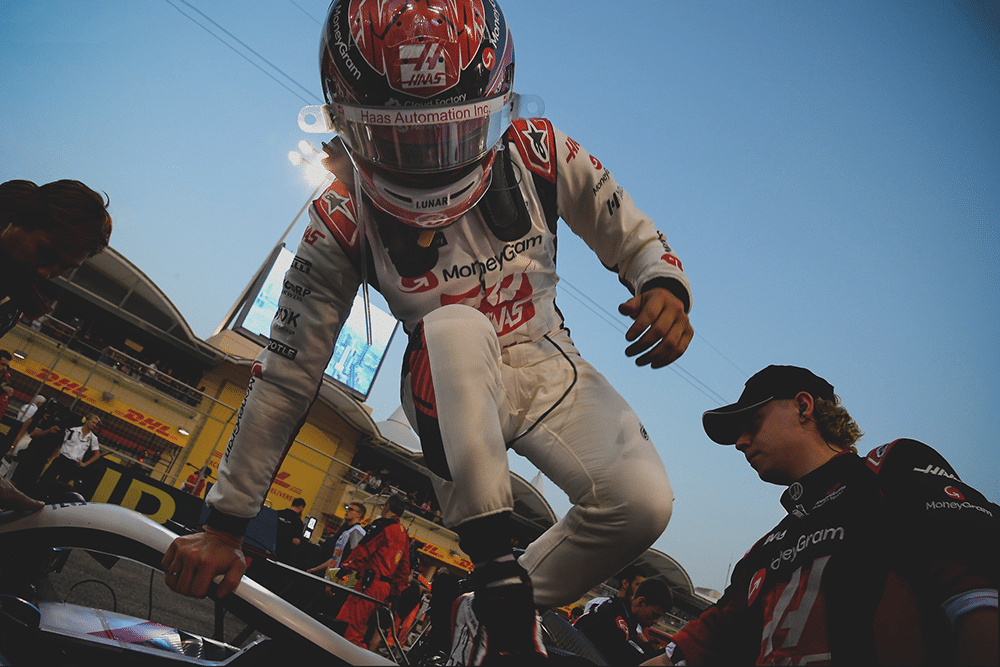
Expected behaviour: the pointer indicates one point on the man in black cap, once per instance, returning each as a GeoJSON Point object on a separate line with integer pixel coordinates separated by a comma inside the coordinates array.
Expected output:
{"type": "Point", "coordinates": [890, 559]}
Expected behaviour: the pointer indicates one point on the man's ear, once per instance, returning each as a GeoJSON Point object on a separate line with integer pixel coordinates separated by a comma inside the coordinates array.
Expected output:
{"type": "Point", "coordinates": [805, 404]}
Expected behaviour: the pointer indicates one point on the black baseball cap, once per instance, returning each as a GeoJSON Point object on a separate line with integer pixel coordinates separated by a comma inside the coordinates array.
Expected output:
{"type": "Point", "coordinates": [724, 425]}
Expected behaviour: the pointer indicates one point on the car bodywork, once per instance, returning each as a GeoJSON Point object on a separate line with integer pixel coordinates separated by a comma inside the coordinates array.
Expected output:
{"type": "Point", "coordinates": [51, 632]}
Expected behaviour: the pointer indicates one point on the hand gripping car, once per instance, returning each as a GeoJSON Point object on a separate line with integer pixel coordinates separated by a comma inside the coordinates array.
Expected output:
{"type": "Point", "coordinates": [39, 626]}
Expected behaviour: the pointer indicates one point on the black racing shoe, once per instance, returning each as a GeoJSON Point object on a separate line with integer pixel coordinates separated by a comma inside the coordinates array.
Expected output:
{"type": "Point", "coordinates": [509, 631]}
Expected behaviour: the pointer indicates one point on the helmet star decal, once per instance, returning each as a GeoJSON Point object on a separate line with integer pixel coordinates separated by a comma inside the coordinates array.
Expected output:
{"type": "Point", "coordinates": [538, 137]}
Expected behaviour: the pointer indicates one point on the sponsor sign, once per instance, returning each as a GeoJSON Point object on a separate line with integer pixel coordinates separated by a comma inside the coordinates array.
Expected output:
{"type": "Point", "coordinates": [447, 556]}
{"type": "Point", "coordinates": [156, 500]}
{"type": "Point", "coordinates": [957, 502]}
{"type": "Point", "coordinates": [804, 542]}
{"type": "Point", "coordinates": [932, 469]}
{"type": "Point", "coordinates": [423, 283]}
{"type": "Point", "coordinates": [423, 115]}
{"type": "Point", "coordinates": [96, 398]}
{"type": "Point", "coordinates": [831, 495]}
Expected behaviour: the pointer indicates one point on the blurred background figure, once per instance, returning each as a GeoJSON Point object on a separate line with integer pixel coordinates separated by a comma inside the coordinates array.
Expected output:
{"type": "Point", "coordinates": [44, 231]}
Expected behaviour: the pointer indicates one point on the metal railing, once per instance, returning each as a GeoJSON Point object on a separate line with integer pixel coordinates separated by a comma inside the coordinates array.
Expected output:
{"type": "Point", "coordinates": [164, 410]}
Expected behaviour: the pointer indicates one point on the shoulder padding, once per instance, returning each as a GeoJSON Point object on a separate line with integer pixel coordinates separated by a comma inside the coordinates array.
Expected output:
{"type": "Point", "coordinates": [535, 141]}
{"type": "Point", "coordinates": [908, 456]}
{"type": "Point", "coordinates": [335, 207]}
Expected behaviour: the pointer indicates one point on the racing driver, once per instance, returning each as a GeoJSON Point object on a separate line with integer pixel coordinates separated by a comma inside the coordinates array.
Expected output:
{"type": "Point", "coordinates": [446, 201]}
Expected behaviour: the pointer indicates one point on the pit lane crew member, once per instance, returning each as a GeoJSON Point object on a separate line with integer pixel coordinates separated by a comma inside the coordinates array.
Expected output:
{"type": "Point", "coordinates": [447, 203]}
{"type": "Point", "coordinates": [613, 626]}
{"type": "Point", "coordinates": [382, 562]}
{"type": "Point", "coordinates": [890, 559]}
{"type": "Point", "coordinates": [338, 547]}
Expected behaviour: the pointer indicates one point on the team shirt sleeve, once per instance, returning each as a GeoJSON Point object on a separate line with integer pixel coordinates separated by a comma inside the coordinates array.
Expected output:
{"type": "Point", "coordinates": [723, 634]}
{"type": "Point", "coordinates": [947, 532]}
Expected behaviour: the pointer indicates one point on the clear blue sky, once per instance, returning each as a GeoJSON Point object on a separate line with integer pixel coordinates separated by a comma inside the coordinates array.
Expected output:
{"type": "Point", "coordinates": [827, 171]}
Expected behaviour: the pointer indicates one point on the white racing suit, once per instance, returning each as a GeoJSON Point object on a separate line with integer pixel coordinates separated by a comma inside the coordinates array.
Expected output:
{"type": "Point", "coordinates": [489, 365]}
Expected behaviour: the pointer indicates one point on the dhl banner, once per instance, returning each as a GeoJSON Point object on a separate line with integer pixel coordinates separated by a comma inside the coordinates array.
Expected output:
{"type": "Point", "coordinates": [95, 397]}
{"type": "Point", "coordinates": [446, 556]}
{"type": "Point", "coordinates": [295, 479]}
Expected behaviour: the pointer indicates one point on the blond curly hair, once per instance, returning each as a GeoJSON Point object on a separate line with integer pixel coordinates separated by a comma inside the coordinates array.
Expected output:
{"type": "Point", "coordinates": [836, 426]}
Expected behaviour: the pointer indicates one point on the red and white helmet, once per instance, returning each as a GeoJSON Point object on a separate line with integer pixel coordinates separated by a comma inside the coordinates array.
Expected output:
{"type": "Point", "coordinates": [420, 92]}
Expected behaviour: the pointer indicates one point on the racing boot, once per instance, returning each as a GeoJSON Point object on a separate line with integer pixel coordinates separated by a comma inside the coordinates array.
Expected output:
{"type": "Point", "coordinates": [508, 630]}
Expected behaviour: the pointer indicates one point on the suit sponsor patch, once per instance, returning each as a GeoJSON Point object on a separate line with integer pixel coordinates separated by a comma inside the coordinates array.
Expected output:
{"type": "Point", "coordinates": [286, 351]}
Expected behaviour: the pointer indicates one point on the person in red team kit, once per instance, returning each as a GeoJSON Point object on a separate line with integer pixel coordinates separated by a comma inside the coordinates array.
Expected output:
{"type": "Point", "coordinates": [889, 559]}
{"type": "Point", "coordinates": [446, 201]}
{"type": "Point", "coordinates": [382, 563]}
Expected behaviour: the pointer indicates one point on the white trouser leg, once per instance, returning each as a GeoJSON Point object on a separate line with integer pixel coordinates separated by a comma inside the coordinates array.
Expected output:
{"type": "Point", "coordinates": [560, 413]}
{"type": "Point", "coordinates": [594, 448]}
{"type": "Point", "coordinates": [463, 354]}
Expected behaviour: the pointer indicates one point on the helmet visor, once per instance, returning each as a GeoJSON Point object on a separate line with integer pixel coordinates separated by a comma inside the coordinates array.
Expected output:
{"type": "Point", "coordinates": [424, 139]}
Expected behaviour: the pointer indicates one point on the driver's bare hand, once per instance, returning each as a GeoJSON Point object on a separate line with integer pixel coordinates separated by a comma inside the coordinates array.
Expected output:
{"type": "Point", "coordinates": [193, 561]}
{"type": "Point", "coordinates": [13, 499]}
{"type": "Point", "coordinates": [661, 328]}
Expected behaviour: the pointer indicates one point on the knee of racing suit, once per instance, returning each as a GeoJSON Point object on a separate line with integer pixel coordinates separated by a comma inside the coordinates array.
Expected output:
{"type": "Point", "coordinates": [451, 387]}
{"type": "Point", "coordinates": [644, 502]}
{"type": "Point", "coordinates": [650, 509]}
{"type": "Point", "coordinates": [607, 533]}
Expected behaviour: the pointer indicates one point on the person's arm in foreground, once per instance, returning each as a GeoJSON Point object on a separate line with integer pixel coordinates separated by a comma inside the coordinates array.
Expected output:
{"type": "Point", "coordinates": [321, 568]}
{"type": "Point", "coordinates": [13, 499]}
{"type": "Point", "coordinates": [624, 238]}
{"type": "Point", "coordinates": [193, 561]}
{"type": "Point", "coordinates": [661, 328]}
